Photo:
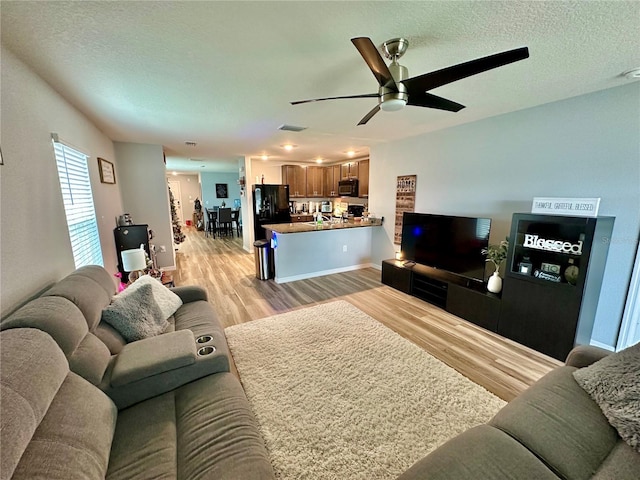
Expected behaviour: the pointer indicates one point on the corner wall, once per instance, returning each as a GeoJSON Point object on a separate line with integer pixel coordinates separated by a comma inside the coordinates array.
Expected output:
{"type": "Point", "coordinates": [145, 194]}
{"type": "Point", "coordinates": [35, 248]}
{"type": "Point", "coordinates": [587, 146]}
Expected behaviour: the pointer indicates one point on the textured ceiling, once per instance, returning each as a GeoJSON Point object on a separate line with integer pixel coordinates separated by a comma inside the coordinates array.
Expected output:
{"type": "Point", "coordinates": [222, 74]}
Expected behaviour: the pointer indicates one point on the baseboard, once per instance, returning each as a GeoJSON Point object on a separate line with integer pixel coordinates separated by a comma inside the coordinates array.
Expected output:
{"type": "Point", "coordinates": [322, 273]}
{"type": "Point", "coordinates": [602, 345]}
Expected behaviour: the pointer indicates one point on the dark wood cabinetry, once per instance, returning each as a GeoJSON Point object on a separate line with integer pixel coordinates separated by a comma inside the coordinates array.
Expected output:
{"type": "Point", "coordinates": [315, 182]}
{"type": "Point", "coordinates": [297, 218]}
{"type": "Point", "coordinates": [363, 178]}
{"type": "Point", "coordinates": [553, 278]}
{"type": "Point", "coordinates": [296, 177]}
{"type": "Point", "coordinates": [463, 297]}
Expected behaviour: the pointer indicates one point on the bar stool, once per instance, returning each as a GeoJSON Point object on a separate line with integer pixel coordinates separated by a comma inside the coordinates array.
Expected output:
{"type": "Point", "coordinates": [211, 223]}
{"type": "Point", "coordinates": [224, 221]}
{"type": "Point", "coordinates": [235, 217]}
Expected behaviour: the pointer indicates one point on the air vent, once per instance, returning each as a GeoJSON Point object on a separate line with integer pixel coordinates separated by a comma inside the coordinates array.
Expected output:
{"type": "Point", "coordinates": [291, 128]}
{"type": "Point", "coordinates": [190, 144]}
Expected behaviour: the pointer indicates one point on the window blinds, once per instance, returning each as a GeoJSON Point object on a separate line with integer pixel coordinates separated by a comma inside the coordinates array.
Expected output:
{"type": "Point", "coordinates": [78, 204]}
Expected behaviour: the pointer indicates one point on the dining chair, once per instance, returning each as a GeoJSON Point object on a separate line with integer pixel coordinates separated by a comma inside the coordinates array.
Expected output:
{"type": "Point", "coordinates": [224, 221]}
{"type": "Point", "coordinates": [211, 223]}
{"type": "Point", "coordinates": [235, 218]}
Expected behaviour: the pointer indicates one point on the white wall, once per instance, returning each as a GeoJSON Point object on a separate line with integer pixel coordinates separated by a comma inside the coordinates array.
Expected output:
{"type": "Point", "coordinates": [587, 146]}
{"type": "Point", "coordinates": [145, 194]}
{"type": "Point", "coordinates": [35, 250]}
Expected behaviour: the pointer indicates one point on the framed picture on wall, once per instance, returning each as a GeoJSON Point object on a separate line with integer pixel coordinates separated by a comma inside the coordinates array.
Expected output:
{"type": "Point", "coordinates": [221, 190]}
{"type": "Point", "coordinates": [107, 172]}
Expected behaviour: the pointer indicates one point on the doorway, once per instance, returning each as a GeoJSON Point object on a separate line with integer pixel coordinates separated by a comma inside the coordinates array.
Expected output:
{"type": "Point", "coordinates": [177, 196]}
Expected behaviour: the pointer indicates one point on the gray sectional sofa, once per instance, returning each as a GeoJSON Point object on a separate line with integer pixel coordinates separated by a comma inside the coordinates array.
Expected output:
{"type": "Point", "coordinates": [78, 401]}
{"type": "Point", "coordinates": [554, 430]}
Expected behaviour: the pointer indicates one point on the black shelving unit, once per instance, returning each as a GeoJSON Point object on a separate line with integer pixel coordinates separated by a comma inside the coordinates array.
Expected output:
{"type": "Point", "coordinates": [553, 278]}
{"type": "Point", "coordinates": [128, 237]}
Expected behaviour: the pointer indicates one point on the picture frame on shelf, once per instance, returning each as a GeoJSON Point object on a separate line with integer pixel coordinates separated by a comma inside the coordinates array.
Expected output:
{"type": "Point", "coordinates": [107, 171]}
{"type": "Point", "coordinates": [222, 190]}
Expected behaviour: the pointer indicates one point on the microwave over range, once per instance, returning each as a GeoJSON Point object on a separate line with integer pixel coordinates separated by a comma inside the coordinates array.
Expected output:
{"type": "Point", "coordinates": [348, 188]}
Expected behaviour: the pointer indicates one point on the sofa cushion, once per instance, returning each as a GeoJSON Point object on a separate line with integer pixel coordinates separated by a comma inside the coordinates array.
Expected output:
{"type": "Point", "coordinates": [204, 429]}
{"type": "Point", "coordinates": [557, 421]}
{"type": "Point", "coordinates": [54, 424]}
{"type": "Point", "coordinates": [110, 337]}
{"type": "Point", "coordinates": [33, 369]}
{"type": "Point", "coordinates": [88, 294]}
{"type": "Point", "coordinates": [136, 315]}
{"type": "Point", "coordinates": [64, 322]}
{"type": "Point", "coordinates": [614, 384]}
{"type": "Point", "coordinates": [73, 440]}
{"type": "Point", "coordinates": [623, 463]}
{"type": "Point", "coordinates": [168, 301]}
{"type": "Point", "coordinates": [483, 453]}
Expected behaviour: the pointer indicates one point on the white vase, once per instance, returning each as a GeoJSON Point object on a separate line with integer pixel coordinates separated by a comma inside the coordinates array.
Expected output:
{"type": "Point", "coordinates": [494, 285]}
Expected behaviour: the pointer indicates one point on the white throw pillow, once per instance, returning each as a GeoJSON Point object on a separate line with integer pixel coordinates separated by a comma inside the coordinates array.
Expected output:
{"type": "Point", "coordinates": [136, 316]}
{"type": "Point", "coordinates": [168, 301]}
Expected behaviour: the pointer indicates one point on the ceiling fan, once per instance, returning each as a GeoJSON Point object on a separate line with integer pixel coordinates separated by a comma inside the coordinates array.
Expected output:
{"type": "Point", "coordinates": [396, 90]}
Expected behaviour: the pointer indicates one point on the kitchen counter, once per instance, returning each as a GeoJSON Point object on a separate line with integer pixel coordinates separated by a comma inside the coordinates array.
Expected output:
{"type": "Point", "coordinates": [306, 250]}
{"type": "Point", "coordinates": [300, 227]}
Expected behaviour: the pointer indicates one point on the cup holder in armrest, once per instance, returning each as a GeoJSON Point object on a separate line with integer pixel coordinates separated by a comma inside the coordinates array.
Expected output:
{"type": "Point", "coordinates": [204, 339]}
{"type": "Point", "coordinates": [208, 350]}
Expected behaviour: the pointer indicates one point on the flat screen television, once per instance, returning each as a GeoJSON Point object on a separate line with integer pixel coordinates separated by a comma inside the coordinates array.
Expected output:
{"type": "Point", "coordinates": [446, 242]}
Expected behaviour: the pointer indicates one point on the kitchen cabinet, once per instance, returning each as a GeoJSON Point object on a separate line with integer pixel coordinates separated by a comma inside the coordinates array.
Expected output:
{"type": "Point", "coordinates": [331, 179]}
{"type": "Point", "coordinates": [296, 177]}
{"type": "Point", "coordinates": [363, 178]}
{"type": "Point", "coordinates": [315, 182]}
{"type": "Point", "coordinates": [349, 170]}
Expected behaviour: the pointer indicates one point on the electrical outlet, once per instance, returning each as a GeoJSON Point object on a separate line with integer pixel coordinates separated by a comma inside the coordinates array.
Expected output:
{"type": "Point", "coordinates": [344, 248]}
{"type": "Point", "coordinates": [163, 249]}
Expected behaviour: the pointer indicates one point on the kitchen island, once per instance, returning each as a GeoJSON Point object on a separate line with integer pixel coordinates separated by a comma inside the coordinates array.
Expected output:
{"type": "Point", "coordinates": [306, 250]}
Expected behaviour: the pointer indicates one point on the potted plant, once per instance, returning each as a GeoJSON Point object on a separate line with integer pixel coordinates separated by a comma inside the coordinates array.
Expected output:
{"type": "Point", "coordinates": [496, 254]}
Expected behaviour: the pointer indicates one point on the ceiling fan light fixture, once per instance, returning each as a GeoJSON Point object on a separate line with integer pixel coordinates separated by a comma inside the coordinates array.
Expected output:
{"type": "Point", "coordinates": [393, 104]}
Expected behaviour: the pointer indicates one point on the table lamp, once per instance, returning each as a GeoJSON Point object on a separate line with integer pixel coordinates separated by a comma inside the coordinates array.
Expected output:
{"type": "Point", "coordinates": [134, 262]}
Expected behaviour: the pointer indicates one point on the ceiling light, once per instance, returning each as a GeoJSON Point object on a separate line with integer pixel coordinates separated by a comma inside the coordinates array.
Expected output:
{"type": "Point", "coordinates": [174, 173]}
{"type": "Point", "coordinates": [288, 147]}
{"type": "Point", "coordinates": [265, 157]}
{"type": "Point", "coordinates": [393, 104]}
{"type": "Point", "coordinates": [351, 153]}
{"type": "Point", "coordinates": [632, 74]}
{"type": "Point", "coordinates": [319, 160]}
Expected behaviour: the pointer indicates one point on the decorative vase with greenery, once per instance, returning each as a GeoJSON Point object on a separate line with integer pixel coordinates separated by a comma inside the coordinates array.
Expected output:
{"type": "Point", "coordinates": [496, 254]}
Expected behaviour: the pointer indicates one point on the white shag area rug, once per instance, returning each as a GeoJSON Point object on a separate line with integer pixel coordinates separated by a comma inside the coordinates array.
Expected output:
{"type": "Point", "coordinates": [338, 395]}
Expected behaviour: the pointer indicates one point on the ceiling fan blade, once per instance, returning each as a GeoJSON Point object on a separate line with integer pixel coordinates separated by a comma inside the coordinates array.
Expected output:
{"type": "Point", "coordinates": [377, 65]}
{"type": "Point", "coordinates": [365, 95]}
{"type": "Point", "coordinates": [428, 81]}
{"type": "Point", "coordinates": [424, 99]}
{"type": "Point", "coordinates": [369, 115]}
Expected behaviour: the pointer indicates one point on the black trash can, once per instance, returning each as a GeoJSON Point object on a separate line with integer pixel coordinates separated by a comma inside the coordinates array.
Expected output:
{"type": "Point", "coordinates": [262, 253]}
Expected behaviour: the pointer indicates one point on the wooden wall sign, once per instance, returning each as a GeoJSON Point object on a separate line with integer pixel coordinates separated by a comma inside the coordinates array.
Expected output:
{"type": "Point", "coordinates": [405, 202]}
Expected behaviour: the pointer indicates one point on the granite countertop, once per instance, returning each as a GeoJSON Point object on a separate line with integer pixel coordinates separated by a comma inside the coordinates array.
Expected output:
{"type": "Point", "coordinates": [299, 227]}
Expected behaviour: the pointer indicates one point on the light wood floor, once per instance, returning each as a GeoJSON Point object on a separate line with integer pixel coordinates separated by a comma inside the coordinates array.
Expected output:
{"type": "Point", "coordinates": [227, 272]}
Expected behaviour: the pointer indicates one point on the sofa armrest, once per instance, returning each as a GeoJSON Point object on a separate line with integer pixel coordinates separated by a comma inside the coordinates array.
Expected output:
{"type": "Point", "coordinates": [190, 293]}
{"type": "Point", "coordinates": [153, 356]}
{"type": "Point", "coordinates": [585, 355]}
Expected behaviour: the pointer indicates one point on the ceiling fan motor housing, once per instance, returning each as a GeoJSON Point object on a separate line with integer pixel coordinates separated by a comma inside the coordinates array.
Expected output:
{"type": "Point", "coordinates": [392, 99]}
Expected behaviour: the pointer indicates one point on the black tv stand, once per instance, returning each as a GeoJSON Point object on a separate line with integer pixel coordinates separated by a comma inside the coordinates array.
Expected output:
{"type": "Point", "coordinates": [464, 297]}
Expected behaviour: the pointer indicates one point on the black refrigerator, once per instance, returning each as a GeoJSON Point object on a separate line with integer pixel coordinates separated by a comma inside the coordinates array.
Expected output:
{"type": "Point", "coordinates": [270, 205]}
